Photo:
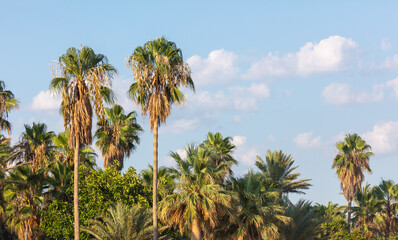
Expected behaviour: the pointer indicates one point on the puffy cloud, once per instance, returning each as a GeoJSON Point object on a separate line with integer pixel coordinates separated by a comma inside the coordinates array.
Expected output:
{"type": "Point", "coordinates": [390, 63]}
{"type": "Point", "coordinates": [239, 140]}
{"type": "Point", "coordinates": [341, 94]}
{"type": "Point", "coordinates": [220, 66]}
{"type": "Point", "coordinates": [181, 126]}
{"type": "Point", "coordinates": [45, 100]}
{"type": "Point", "coordinates": [394, 85]}
{"type": "Point", "coordinates": [383, 138]}
{"type": "Point", "coordinates": [307, 140]}
{"type": "Point", "coordinates": [237, 98]}
{"type": "Point", "coordinates": [328, 55]}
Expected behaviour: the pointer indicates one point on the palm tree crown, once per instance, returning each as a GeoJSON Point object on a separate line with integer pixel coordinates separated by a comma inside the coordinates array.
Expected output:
{"type": "Point", "coordinates": [117, 135]}
{"type": "Point", "coordinates": [8, 102]}
{"type": "Point", "coordinates": [159, 71]}
{"type": "Point", "coordinates": [277, 171]}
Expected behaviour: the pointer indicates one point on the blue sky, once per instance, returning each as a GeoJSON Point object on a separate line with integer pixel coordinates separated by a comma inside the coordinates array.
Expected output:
{"type": "Point", "coordinates": [280, 75]}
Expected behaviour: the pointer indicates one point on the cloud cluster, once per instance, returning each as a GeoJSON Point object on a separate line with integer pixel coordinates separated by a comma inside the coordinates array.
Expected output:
{"type": "Point", "coordinates": [341, 94]}
{"type": "Point", "coordinates": [45, 101]}
{"type": "Point", "coordinates": [307, 140]}
{"type": "Point", "coordinates": [219, 67]}
{"type": "Point", "coordinates": [383, 138]}
{"type": "Point", "coordinates": [328, 55]}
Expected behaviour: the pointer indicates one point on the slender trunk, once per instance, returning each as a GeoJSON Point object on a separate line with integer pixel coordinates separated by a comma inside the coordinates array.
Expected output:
{"type": "Point", "coordinates": [387, 231]}
{"type": "Point", "coordinates": [195, 234]}
{"type": "Point", "coordinates": [76, 193]}
{"type": "Point", "coordinates": [349, 216]}
{"type": "Point", "coordinates": [155, 181]}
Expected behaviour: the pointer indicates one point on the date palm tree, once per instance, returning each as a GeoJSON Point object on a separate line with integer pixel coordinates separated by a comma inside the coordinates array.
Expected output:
{"type": "Point", "coordinates": [121, 223]}
{"type": "Point", "coordinates": [8, 102]}
{"type": "Point", "coordinates": [117, 135]}
{"type": "Point", "coordinates": [278, 173]}
{"type": "Point", "coordinates": [350, 162]}
{"type": "Point", "coordinates": [83, 78]}
{"type": "Point", "coordinates": [159, 71]}
{"type": "Point", "coordinates": [197, 197]}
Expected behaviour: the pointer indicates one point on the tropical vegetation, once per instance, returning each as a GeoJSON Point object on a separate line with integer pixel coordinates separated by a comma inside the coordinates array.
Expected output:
{"type": "Point", "coordinates": [52, 188]}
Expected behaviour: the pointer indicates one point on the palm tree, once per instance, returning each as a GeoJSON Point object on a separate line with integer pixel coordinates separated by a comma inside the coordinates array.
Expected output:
{"type": "Point", "coordinates": [8, 102]}
{"type": "Point", "coordinates": [367, 209]}
{"type": "Point", "coordinates": [117, 135]}
{"type": "Point", "coordinates": [59, 181]}
{"type": "Point", "coordinates": [221, 150]}
{"type": "Point", "coordinates": [305, 224]}
{"type": "Point", "coordinates": [350, 162]}
{"type": "Point", "coordinates": [197, 197]}
{"type": "Point", "coordinates": [83, 79]}
{"type": "Point", "coordinates": [166, 180]}
{"type": "Point", "coordinates": [36, 147]}
{"type": "Point", "coordinates": [159, 70]}
{"type": "Point", "coordinates": [257, 217]}
{"type": "Point", "coordinates": [121, 223]}
{"type": "Point", "coordinates": [23, 194]}
{"type": "Point", "coordinates": [277, 171]}
{"type": "Point", "coordinates": [65, 154]}
{"type": "Point", "coordinates": [388, 194]}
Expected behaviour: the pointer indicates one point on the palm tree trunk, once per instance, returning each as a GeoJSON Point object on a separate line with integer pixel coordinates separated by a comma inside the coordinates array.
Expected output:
{"type": "Point", "coordinates": [76, 193]}
{"type": "Point", "coordinates": [155, 181]}
{"type": "Point", "coordinates": [195, 234]}
{"type": "Point", "coordinates": [349, 216]}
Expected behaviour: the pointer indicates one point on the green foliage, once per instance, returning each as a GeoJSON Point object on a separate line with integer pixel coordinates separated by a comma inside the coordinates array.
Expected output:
{"type": "Point", "coordinates": [98, 190]}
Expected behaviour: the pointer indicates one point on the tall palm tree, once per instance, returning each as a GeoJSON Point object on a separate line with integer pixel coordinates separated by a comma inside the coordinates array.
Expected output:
{"type": "Point", "coordinates": [221, 150]}
{"type": "Point", "coordinates": [83, 78]}
{"type": "Point", "coordinates": [121, 223]}
{"type": "Point", "coordinates": [23, 194]}
{"type": "Point", "coordinates": [159, 70]}
{"type": "Point", "coordinates": [8, 102]}
{"type": "Point", "coordinates": [350, 162]}
{"type": "Point", "coordinates": [117, 135]}
{"type": "Point", "coordinates": [63, 153]}
{"type": "Point", "coordinates": [36, 146]}
{"type": "Point", "coordinates": [278, 173]}
{"type": "Point", "coordinates": [198, 197]}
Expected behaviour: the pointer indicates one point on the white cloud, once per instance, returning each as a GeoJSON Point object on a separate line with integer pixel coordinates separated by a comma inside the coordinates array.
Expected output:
{"type": "Point", "coordinates": [394, 85]}
{"type": "Point", "coordinates": [181, 126]}
{"type": "Point", "coordinates": [329, 55]}
{"type": "Point", "coordinates": [390, 63]}
{"type": "Point", "coordinates": [307, 140]}
{"type": "Point", "coordinates": [383, 138]}
{"type": "Point", "coordinates": [45, 100]}
{"type": "Point", "coordinates": [341, 94]}
{"type": "Point", "coordinates": [237, 98]}
{"type": "Point", "coordinates": [385, 45]}
{"type": "Point", "coordinates": [245, 98]}
{"type": "Point", "coordinates": [220, 66]}
{"type": "Point", "coordinates": [239, 140]}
